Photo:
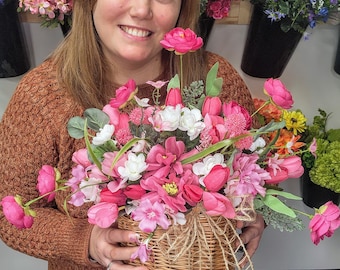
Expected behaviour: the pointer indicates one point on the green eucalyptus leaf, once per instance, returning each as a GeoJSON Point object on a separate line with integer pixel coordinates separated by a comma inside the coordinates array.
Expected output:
{"type": "Point", "coordinates": [174, 83]}
{"type": "Point", "coordinates": [75, 127]}
{"type": "Point", "coordinates": [275, 204]}
{"type": "Point", "coordinates": [213, 84]}
{"type": "Point", "coordinates": [96, 119]}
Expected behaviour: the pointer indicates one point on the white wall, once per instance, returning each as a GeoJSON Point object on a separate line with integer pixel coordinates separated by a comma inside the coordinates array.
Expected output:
{"type": "Point", "coordinates": [313, 83]}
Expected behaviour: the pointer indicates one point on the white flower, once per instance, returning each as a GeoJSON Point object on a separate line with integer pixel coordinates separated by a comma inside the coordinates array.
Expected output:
{"type": "Point", "coordinates": [258, 145]}
{"type": "Point", "coordinates": [90, 188]}
{"type": "Point", "coordinates": [103, 135]}
{"type": "Point", "coordinates": [203, 168]}
{"type": "Point", "coordinates": [167, 119]}
{"type": "Point", "coordinates": [134, 166]}
{"type": "Point", "coordinates": [144, 102]}
{"type": "Point", "coordinates": [191, 122]}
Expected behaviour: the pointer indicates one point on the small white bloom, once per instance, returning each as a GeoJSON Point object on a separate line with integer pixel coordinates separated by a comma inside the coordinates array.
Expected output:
{"type": "Point", "coordinates": [103, 135]}
{"type": "Point", "coordinates": [134, 166]}
{"type": "Point", "coordinates": [191, 122]}
{"type": "Point", "coordinates": [167, 119]}
{"type": "Point", "coordinates": [90, 188]}
{"type": "Point", "coordinates": [144, 102]}
{"type": "Point", "coordinates": [258, 145]}
{"type": "Point", "coordinates": [204, 167]}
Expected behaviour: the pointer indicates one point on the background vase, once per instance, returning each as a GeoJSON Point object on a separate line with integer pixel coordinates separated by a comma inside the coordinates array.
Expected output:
{"type": "Point", "coordinates": [13, 51]}
{"type": "Point", "coordinates": [314, 195]}
{"type": "Point", "coordinates": [267, 49]}
{"type": "Point", "coordinates": [205, 24]}
{"type": "Point", "coordinates": [337, 58]}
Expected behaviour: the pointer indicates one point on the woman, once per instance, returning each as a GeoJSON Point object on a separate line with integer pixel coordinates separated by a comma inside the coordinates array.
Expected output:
{"type": "Point", "coordinates": [110, 42]}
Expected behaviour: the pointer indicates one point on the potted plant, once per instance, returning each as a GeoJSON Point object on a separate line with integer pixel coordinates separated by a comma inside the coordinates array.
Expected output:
{"type": "Point", "coordinates": [275, 29]}
{"type": "Point", "coordinates": [322, 170]}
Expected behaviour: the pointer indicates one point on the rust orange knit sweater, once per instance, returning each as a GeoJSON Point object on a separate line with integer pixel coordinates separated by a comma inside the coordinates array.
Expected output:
{"type": "Point", "coordinates": [33, 133]}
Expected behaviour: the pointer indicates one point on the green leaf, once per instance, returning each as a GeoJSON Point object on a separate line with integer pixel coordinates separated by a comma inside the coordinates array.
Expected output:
{"type": "Point", "coordinates": [213, 84]}
{"type": "Point", "coordinates": [75, 127]}
{"type": "Point", "coordinates": [283, 194]}
{"type": "Point", "coordinates": [275, 204]}
{"type": "Point", "coordinates": [96, 119]}
{"type": "Point", "coordinates": [174, 83]}
{"type": "Point", "coordinates": [100, 150]}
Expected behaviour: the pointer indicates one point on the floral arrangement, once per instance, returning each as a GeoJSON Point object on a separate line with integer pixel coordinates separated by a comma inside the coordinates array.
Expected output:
{"type": "Point", "coordinates": [156, 163]}
{"type": "Point", "coordinates": [217, 9]}
{"type": "Point", "coordinates": [52, 12]}
{"type": "Point", "coordinates": [298, 14]}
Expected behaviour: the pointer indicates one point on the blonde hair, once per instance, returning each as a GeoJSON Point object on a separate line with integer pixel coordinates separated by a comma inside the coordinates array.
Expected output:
{"type": "Point", "coordinates": [81, 65]}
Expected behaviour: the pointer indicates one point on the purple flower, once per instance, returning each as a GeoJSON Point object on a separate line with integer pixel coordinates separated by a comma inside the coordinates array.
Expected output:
{"type": "Point", "coordinates": [143, 252]}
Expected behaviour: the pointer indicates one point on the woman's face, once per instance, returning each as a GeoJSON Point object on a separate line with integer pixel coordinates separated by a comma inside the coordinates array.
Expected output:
{"type": "Point", "coordinates": [131, 30]}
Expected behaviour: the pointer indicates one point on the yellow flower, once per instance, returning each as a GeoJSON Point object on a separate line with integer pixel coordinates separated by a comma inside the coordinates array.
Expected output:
{"type": "Point", "coordinates": [295, 121]}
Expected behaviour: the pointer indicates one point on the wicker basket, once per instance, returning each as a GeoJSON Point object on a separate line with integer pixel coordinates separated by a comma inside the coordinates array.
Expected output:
{"type": "Point", "coordinates": [204, 242]}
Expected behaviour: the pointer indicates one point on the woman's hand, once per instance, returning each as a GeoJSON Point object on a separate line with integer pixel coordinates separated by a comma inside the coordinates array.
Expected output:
{"type": "Point", "coordinates": [106, 250]}
{"type": "Point", "coordinates": [251, 235]}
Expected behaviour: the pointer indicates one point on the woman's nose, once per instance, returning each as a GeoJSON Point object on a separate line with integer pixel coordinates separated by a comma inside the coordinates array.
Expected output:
{"type": "Point", "coordinates": [141, 9]}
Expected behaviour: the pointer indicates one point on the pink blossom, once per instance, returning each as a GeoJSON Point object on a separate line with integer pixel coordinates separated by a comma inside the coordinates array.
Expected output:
{"type": "Point", "coordinates": [15, 213]}
{"type": "Point", "coordinates": [181, 41]}
{"type": "Point", "coordinates": [216, 178]}
{"type": "Point", "coordinates": [233, 107]}
{"type": "Point", "coordinates": [158, 84]}
{"type": "Point", "coordinates": [235, 124]}
{"type": "Point", "coordinates": [192, 194]}
{"type": "Point", "coordinates": [289, 167]}
{"type": "Point", "coordinates": [325, 222]}
{"type": "Point", "coordinates": [214, 128]}
{"type": "Point", "coordinates": [217, 204]}
{"type": "Point", "coordinates": [107, 167]}
{"type": "Point", "coordinates": [313, 147]}
{"type": "Point", "coordinates": [134, 192]}
{"type": "Point", "coordinates": [174, 97]}
{"type": "Point", "coordinates": [103, 214]}
{"type": "Point", "coordinates": [246, 142]}
{"type": "Point", "coordinates": [47, 181]}
{"type": "Point", "coordinates": [212, 106]}
{"type": "Point", "coordinates": [81, 157]}
{"type": "Point", "coordinates": [218, 9]}
{"type": "Point", "coordinates": [150, 215]}
{"type": "Point", "coordinates": [278, 93]}
{"type": "Point", "coordinates": [117, 197]}
{"type": "Point", "coordinates": [143, 252]}
{"type": "Point", "coordinates": [113, 113]}
{"type": "Point", "coordinates": [124, 94]}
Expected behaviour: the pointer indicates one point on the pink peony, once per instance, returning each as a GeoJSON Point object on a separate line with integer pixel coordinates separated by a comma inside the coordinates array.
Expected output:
{"type": "Point", "coordinates": [103, 214]}
{"type": "Point", "coordinates": [233, 107]}
{"type": "Point", "coordinates": [278, 93]}
{"type": "Point", "coordinates": [124, 94]}
{"type": "Point", "coordinates": [15, 213]}
{"type": "Point", "coordinates": [181, 41]}
{"type": "Point", "coordinates": [47, 181]}
{"type": "Point", "coordinates": [325, 222]}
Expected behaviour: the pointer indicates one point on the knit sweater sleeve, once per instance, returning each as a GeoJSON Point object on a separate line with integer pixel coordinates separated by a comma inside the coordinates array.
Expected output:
{"type": "Point", "coordinates": [33, 133]}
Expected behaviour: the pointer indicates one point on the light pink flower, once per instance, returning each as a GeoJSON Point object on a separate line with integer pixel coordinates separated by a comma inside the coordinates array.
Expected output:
{"type": "Point", "coordinates": [47, 181]}
{"type": "Point", "coordinates": [15, 213]}
{"type": "Point", "coordinates": [181, 41]}
{"type": "Point", "coordinates": [150, 215]}
{"type": "Point", "coordinates": [325, 222]}
{"type": "Point", "coordinates": [312, 148]}
{"type": "Point", "coordinates": [158, 84]}
{"type": "Point", "coordinates": [81, 157]}
{"type": "Point", "coordinates": [217, 204]}
{"type": "Point", "coordinates": [278, 93]}
{"type": "Point", "coordinates": [103, 214]}
{"type": "Point", "coordinates": [143, 252]}
{"type": "Point", "coordinates": [124, 94]}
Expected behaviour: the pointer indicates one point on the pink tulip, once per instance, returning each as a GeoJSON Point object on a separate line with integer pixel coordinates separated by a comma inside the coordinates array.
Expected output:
{"type": "Point", "coordinates": [278, 93]}
{"type": "Point", "coordinates": [124, 94]}
{"type": "Point", "coordinates": [181, 41]}
{"type": "Point", "coordinates": [211, 106]}
{"type": "Point", "coordinates": [192, 194]}
{"type": "Point", "coordinates": [174, 97]}
{"type": "Point", "coordinates": [117, 197]}
{"type": "Point", "coordinates": [15, 213]}
{"type": "Point", "coordinates": [216, 178]}
{"type": "Point", "coordinates": [103, 214]}
{"type": "Point", "coordinates": [47, 181]}
{"type": "Point", "coordinates": [325, 222]}
{"type": "Point", "coordinates": [218, 205]}
{"type": "Point", "coordinates": [134, 192]}
{"type": "Point", "coordinates": [290, 167]}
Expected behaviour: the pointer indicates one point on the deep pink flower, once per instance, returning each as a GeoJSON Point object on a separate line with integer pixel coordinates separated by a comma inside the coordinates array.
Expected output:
{"type": "Point", "coordinates": [103, 214]}
{"type": "Point", "coordinates": [289, 167]}
{"type": "Point", "coordinates": [192, 194]}
{"type": "Point", "coordinates": [233, 107]}
{"type": "Point", "coordinates": [325, 222]}
{"type": "Point", "coordinates": [214, 128]}
{"type": "Point", "coordinates": [278, 93]}
{"type": "Point", "coordinates": [150, 215]}
{"type": "Point", "coordinates": [124, 94]}
{"type": "Point", "coordinates": [212, 106]}
{"type": "Point", "coordinates": [134, 192]}
{"type": "Point", "coordinates": [181, 41]}
{"type": "Point", "coordinates": [47, 181]}
{"type": "Point", "coordinates": [117, 197]}
{"type": "Point", "coordinates": [218, 9]}
{"type": "Point", "coordinates": [217, 204]}
{"type": "Point", "coordinates": [216, 178]}
{"type": "Point", "coordinates": [15, 213]}
{"type": "Point", "coordinates": [174, 97]}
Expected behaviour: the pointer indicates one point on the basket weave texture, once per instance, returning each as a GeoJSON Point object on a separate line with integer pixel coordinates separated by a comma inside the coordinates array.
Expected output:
{"type": "Point", "coordinates": [204, 242]}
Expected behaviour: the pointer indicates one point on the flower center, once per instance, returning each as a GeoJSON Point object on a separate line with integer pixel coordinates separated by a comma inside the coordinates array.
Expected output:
{"type": "Point", "coordinates": [171, 188]}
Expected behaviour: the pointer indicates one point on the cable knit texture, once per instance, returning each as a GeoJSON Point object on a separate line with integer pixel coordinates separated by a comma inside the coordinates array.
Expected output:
{"type": "Point", "coordinates": [33, 133]}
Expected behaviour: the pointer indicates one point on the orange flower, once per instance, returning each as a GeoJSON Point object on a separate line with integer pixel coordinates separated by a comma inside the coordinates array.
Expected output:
{"type": "Point", "coordinates": [269, 112]}
{"type": "Point", "coordinates": [287, 142]}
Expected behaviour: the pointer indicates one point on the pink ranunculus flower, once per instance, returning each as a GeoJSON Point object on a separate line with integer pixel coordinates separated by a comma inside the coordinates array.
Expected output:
{"type": "Point", "coordinates": [211, 106]}
{"type": "Point", "coordinates": [15, 213]}
{"type": "Point", "coordinates": [217, 204]}
{"type": "Point", "coordinates": [124, 94]}
{"type": "Point", "coordinates": [47, 181]}
{"type": "Point", "coordinates": [181, 41]}
{"type": "Point", "coordinates": [278, 93]}
{"type": "Point", "coordinates": [174, 97]}
{"type": "Point", "coordinates": [233, 107]}
{"type": "Point", "coordinates": [103, 214]}
{"type": "Point", "coordinates": [216, 178]}
{"type": "Point", "coordinates": [325, 222]}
